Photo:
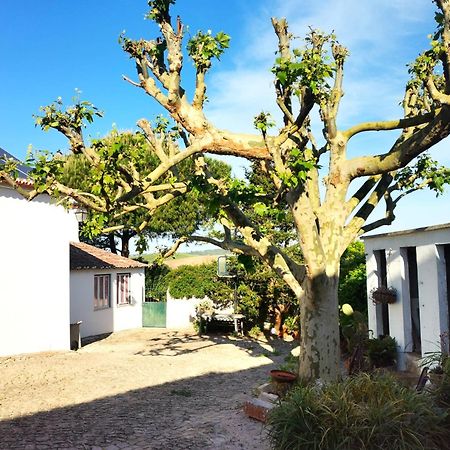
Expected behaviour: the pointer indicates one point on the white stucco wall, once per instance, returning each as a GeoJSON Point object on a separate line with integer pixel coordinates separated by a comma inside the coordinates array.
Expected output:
{"type": "Point", "coordinates": [433, 306]}
{"type": "Point", "coordinates": [34, 274]}
{"type": "Point", "coordinates": [114, 318]}
{"type": "Point", "coordinates": [180, 313]}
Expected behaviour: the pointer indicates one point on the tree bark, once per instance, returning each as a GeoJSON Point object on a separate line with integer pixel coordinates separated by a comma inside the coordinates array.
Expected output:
{"type": "Point", "coordinates": [112, 243]}
{"type": "Point", "coordinates": [319, 327]}
{"type": "Point", "coordinates": [125, 244]}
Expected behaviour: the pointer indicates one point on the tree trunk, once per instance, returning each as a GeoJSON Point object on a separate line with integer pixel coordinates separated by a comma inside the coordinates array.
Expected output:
{"type": "Point", "coordinates": [319, 328]}
{"type": "Point", "coordinates": [126, 236]}
{"type": "Point", "coordinates": [112, 243]}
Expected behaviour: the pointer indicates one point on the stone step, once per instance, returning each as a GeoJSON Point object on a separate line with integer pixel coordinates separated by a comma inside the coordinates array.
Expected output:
{"type": "Point", "coordinates": [269, 397]}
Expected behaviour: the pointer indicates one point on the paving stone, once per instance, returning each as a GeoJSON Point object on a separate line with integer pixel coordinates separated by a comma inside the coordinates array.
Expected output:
{"type": "Point", "coordinates": [268, 397]}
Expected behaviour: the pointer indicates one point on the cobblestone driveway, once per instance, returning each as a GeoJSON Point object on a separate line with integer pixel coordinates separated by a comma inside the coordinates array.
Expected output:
{"type": "Point", "coordinates": [141, 389]}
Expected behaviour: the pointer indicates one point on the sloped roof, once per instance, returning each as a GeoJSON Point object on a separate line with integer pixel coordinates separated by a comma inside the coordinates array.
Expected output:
{"type": "Point", "coordinates": [85, 256]}
{"type": "Point", "coordinates": [441, 226]}
{"type": "Point", "coordinates": [22, 169]}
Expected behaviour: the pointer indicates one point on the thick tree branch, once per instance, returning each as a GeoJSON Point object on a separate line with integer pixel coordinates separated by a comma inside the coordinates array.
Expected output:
{"type": "Point", "coordinates": [404, 150]}
{"type": "Point", "coordinates": [155, 144]}
{"type": "Point", "coordinates": [389, 124]}
{"type": "Point", "coordinates": [388, 218]}
{"type": "Point", "coordinates": [91, 201]}
{"type": "Point", "coordinates": [361, 193]}
{"type": "Point", "coordinates": [436, 95]}
{"type": "Point", "coordinates": [17, 185]}
{"type": "Point", "coordinates": [200, 90]}
{"type": "Point", "coordinates": [353, 228]}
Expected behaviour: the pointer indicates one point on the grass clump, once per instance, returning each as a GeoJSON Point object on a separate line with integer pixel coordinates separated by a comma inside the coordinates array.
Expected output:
{"type": "Point", "coordinates": [365, 412]}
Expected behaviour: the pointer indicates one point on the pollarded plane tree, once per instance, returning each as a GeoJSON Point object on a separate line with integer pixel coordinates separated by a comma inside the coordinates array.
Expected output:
{"type": "Point", "coordinates": [326, 219]}
{"type": "Point", "coordinates": [166, 220]}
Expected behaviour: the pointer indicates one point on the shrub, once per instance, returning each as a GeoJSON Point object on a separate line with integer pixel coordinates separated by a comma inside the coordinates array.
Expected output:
{"type": "Point", "coordinates": [255, 332]}
{"type": "Point", "coordinates": [156, 282]}
{"type": "Point", "coordinates": [365, 412]}
{"type": "Point", "coordinates": [352, 280]}
{"type": "Point", "coordinates": [192, 281]}
{"type": "Point", "coordinates": [382, 352]}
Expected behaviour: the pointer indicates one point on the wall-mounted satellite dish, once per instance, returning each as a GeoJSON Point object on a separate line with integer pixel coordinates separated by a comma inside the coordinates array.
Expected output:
{"type": "Point", "coordinates": [223, 270]}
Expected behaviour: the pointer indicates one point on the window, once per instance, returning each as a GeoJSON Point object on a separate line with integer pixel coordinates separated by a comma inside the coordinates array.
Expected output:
{"type": "Point", "coordinates": [101, 291]}
{"type": "Point", "coordinates": [123, 288]}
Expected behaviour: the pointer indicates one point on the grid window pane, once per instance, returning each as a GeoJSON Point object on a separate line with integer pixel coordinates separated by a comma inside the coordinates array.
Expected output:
{"type": "Point", "coordinates": [101, 291]}
{"type": "Point", "coordinates": [123, 288]}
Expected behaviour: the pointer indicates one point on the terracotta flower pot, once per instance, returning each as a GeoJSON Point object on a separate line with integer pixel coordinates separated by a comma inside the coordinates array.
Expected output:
{"type": "Point", "coordinates": [283, 376]}
{"type": "Point", "coordinates": [282, 381]}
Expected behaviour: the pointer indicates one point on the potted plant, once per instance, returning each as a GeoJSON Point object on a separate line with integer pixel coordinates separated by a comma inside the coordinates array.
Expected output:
{"type": "Point", "coordinates": [383, 294]}
{"type": "Point", "coordinates": [438, 362]}
{"type": "Point", "coordinates": [282, 381]}
{"type": "Point", "coordinates": [291, 325]}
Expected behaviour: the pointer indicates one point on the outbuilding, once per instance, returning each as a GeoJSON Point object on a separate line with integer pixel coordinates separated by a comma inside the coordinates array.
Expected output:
{"type": "Point", "coordinates": [106, 290]}
{"type": "Point", "coordinates": [414, 266]}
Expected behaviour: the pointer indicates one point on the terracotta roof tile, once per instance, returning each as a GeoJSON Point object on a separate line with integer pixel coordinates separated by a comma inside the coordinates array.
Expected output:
{"type": "Point", "coordinates": [85, 256]}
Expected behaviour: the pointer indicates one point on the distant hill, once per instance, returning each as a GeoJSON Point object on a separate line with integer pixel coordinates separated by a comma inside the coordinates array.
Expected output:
{"type": "Point", "coordinates": [194, 258]}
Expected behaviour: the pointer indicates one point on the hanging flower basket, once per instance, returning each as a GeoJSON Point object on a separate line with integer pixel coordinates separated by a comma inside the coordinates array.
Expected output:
{"type": "Point", "coordinates": [384, 295]}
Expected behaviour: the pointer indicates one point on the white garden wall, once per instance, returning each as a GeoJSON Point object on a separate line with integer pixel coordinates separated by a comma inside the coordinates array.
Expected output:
{"type": "Point", "coordinates": [34, 274]}
{"type": "Point", "coordinates": [180, 313]}
{"type": "Point", "coordinates": [114, 318]}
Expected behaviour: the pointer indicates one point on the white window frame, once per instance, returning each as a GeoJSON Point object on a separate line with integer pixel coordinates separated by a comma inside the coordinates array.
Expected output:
{"type": "Point", "coordinates": [123, 289]}
{"type": "Point", "coordinates": [102, 291]}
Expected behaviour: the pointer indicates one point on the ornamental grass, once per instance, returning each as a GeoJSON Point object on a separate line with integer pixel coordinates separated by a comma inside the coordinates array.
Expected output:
{"type": "Point", "coordinates": [368, 411]}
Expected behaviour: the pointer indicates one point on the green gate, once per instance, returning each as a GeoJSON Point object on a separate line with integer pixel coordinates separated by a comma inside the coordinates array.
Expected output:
{"type": "Point", "coordinates": [154, 314]}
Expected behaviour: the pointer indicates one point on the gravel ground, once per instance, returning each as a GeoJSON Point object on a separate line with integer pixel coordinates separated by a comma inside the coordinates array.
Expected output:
{"type": "Point", "coordinates": [138, 389]}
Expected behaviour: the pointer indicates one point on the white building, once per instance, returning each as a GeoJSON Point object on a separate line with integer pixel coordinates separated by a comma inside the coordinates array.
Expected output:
{"type": "Point", "coordinates": [37, 285]}
{"type": "Point", "coordinates": [106, 290]}
{"type": "Point", "coordinates": [416, 263]}
{"type": "Point", "coordinates": [34, 273]}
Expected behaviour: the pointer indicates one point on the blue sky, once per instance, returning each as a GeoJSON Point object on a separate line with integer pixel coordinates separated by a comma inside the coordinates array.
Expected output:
{"type": "Point", "coordinates": [49, 48]}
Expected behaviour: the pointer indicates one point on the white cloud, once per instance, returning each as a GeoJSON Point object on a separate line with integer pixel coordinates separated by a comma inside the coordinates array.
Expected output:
{"type": "Point", "coordinates": [377, 34]}
{"type": "Point", "coordinates": [382, 36]}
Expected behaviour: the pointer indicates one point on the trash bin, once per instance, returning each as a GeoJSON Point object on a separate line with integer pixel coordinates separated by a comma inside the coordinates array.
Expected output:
{"type": "Point", "coordinates": [75, 338]}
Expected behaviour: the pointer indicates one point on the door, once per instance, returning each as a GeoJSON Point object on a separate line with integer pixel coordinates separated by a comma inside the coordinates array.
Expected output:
{"type": "Point", "coordinates": [154, 314]}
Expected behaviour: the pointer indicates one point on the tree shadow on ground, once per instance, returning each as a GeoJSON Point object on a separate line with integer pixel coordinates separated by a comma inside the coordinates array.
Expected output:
{"type": "Point", "coordinates": [179, 343]}
{"type": "Point", "coordinates": [202, 412]}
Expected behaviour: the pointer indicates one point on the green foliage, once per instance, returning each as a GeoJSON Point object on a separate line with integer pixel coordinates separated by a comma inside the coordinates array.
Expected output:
{"type": "Point", "coordinates": [121, 152]}
{"type": "Point", "coordinates": [425, 173]}
{"type": "Point", "coordinates": [263, 121]}
{"type": "Point", "coordinates": [192, 281]}
{"type": "Point", "coordinates": [442, 393]}
{"type": "Point", "coordinates": [310, 68]}
{"type": "Point", "coordinates": [382, 352]}
{"type": "Point", "coordinates": [9, 166]}
{"type": "Point", "coordinates": [292, 324]}
{"type": "Point", "coordinates": [437, 360]}
{"type": "Point", "coordinates": [255, 332]}
{"type": "Point", "coordinates": [259, 290]}
{"type": "Point", "coordinates": [298, 169]}
{"type": "Point", "coordinates": [367, 412]}
{"type": "Point", "coordinates": [156, 282]}
{"type": "Point", "coordinates": [352, 280]}
{"type": "Point", "coordinates": [54, 116]}
{"type": "Point", "coordinates": [203, 47]}
{"type": "Point", "coordinates": [159, 9]}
